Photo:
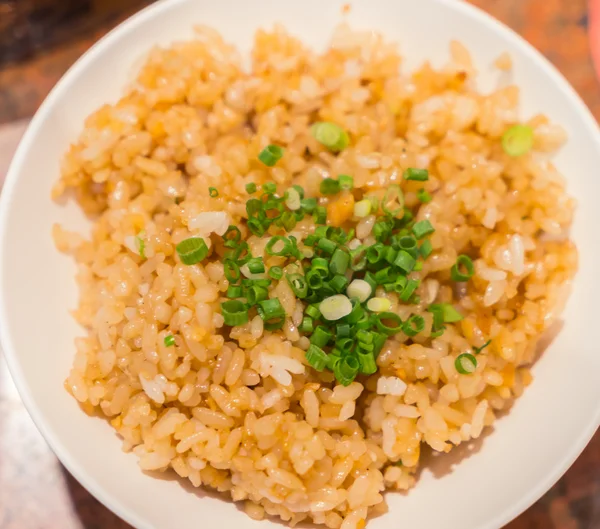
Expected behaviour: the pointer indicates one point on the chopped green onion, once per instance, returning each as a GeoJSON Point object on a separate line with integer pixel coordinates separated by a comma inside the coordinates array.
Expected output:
{"type": "Point", "coordinates": [379, 304]}
{"type": "Point", "coordinates": [233, 234]}
{"type": "Point", "coordinates": [478, 350]}
{"type": "Point", "coordinates": [367, 362]}
{"type": "Point", "coordinates": [329, 186]}
{"type": "Point", "coordinates": [308, 204]}
{"type": "Point", "coordinates": [272, 313]}
{"type": "Point", "coordinates": [346, 181]}
{"type": "Point", "coordinates": [346, 370]}
{"type": "Point", "coordinates": [339, 261]}
{"type": "Point", "coordinates": [449, 313]}
{"type": "Point", "coordinates": [234, 313]}
{"type": "Point", "coordinates": [320, 215]}
{"type": "Point", "coordinates": [426, 249]}
{"type": "Point", "coordinates": [335, 307]}
{"type": "Point", "coordinates": [330, 135]}
{"type": "Point", "coordinates": [517, 140]}
{"type": "Point", "coordinates": [375, 253]}
{"type": "Point", "coordinates": [407, 243]}
{"type": "Point", "coordinates": [386, 275]}
{"type": "Point", "coordinates": [362, 208]}
{"type": "Point", "coordinates": [276, 272]}
{"type": "Point", "coordinates": [357, 312]}
{"type": "Point", "coordinates": [414, 325]}
{"type": "Point", "coordinates": [321, 336]}
{"type": "Point", "coordinates": [307, 325]}
{"type": "Point", "coordinates": [405, 261]}
{"type": "Point", "coordinates": [338, 283]}
{"type": "Point", "coordinates": [234, 291]}
{"type": "Point", "coordinates": [192, 250]}
{"type": "Point", "coordinates": [424, 196]}
{"type": "Point", "coordinates": [232, 270]}
{"type": "Point", "coordinates": [327, 245]}
{"type": "Point", "coordinates": [344, 344]}
{"type": "Point", "coordinates": [169, 340]}
{"type": "Point", "coordinates": [422, 229]}
{"type": "Point", "coordinates": [251, 188]}
{"type": "Point", "coordinates": [320, 265]}
{"type": "Point", "coordinates": [390, 254]}
{"type": "Point", "coordinates": [284, 246]}
{"type": "Point", "coordinates": [394, 326]}
{"type": "Point", "coordinates": [298, 284]}
{"type": "Point", "coordinates": [342, 330]}
{"type": "Point", "coordinates": [359, 289]}
{"type": "Point", "coordinates": [314, 279]}
{"type": "Point", "coordinates": [270, 155]}
{"type": "Point", "coordinates": [364, 337]}
{"type": "Point", "coordinates": [462, 262]}
{"type": "Point", "coordinates": [393, 197]}
{"type": "Point", "coordinates": [254, 294]}
{"type": "Point", "coordinates": [370, 278]}
{"type": "Point", "coordinates": [141, 244]}
{"type": "Point", "coordinates": [316, 357]}
{"type": "Point", "coordinates": [288, 220]}
{"type": "Point", "coordinates": [411, 286]}
{"type": "Point", "coordinates": [358, 258]}
{"type": "Point", "coordinates": [313, 312]}
{"type": "Point", "coordinates": [256, 265]}
{"type": "Point", "coordinates": [419, 175]}
{"type": "Point", "coordinates": [213, 192]}
{"type": "Point", "coordinates": [400, 284]}
{"type": "Point", "coordinates": [465, 364]}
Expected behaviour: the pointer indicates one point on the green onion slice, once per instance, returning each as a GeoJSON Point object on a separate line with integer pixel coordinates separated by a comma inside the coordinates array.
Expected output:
{"type": "Point", "coordinates": [169, 340]}
{"type": "Point", "coordinates": [393, 201]}
{"type": "Point", "coordinates": [330, 135]}
{"type": "Point", "coordinates": [422, 229]}
{"type": "Point", "coordinates": [298, 284]}
{"type": "Point", "coordinates": [234, 313]}
{"type": "Point", "coordinates": [478, 350]}
{"type": "Point", "coordinates": [388, 323]}
{"type": "Point", "coordinates": [335, 307]}
{"type": "Point", "coordinates": [316, 357]}
{"type": "Point", "coordinates": [329, 186]}
{"type": "Point", "coordinates": [466, 364]}
{"type": "Point", "coordinates": [213, 192]}
{"type": "Point", "coordinates": [414, 325]}
{"type": "Point", "coordinates": [270, 155]}
{"type": "Point", "coordinates": [192, 250]}
{"type": "Point", "coordinates": [346, 370]}
{"type": "Point", "coordinates": [517, 140]}
{"type": "Point", "coordinates": [419, 175]}
{"type": "Point", "coordinates": [463, 269]}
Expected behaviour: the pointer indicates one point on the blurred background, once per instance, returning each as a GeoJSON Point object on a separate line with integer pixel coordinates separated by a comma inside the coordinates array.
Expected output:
{"type": "Point", "coordinates": [39, 41]}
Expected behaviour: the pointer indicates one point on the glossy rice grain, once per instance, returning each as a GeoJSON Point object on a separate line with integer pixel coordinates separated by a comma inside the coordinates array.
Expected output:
{"type": "Point", "coordinates": [240, 410]}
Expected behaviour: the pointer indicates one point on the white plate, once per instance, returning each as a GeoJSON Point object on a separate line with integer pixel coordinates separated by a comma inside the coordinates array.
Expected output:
{"type": "Point", "coordinates": [528, 450]}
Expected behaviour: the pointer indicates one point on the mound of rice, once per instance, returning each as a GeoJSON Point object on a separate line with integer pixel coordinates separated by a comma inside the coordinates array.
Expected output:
{"type": "Point", "coordinates": [240, 410]}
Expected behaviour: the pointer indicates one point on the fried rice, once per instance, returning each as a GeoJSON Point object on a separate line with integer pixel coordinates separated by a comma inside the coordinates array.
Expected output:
{"type": "Point", "coordinates": [239, 409]}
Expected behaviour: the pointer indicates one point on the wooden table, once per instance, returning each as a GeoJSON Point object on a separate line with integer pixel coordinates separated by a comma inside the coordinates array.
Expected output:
{"type": "Point", "coordinates": [36, 492]}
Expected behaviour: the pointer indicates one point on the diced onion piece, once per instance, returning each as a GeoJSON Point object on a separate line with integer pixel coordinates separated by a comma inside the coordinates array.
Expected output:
{"type": "Point", "coordinates": [335, 307]}
{"type": "Point", "coordinates": [359, 289]}
{"type": "Point", "coordinates": [379, 304]}
{"type": "Point", "coordinates": [210, 222]}
{"type": "Point", "coordinates": [391, 386]}
{"type": "Point", "coordinates": [293, 199]}
{"type": "Point", "coordinates": [362, 208]}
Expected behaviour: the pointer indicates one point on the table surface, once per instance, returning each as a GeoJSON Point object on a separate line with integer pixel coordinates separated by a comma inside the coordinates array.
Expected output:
{"type": "Point", "coordinates": [36, 492]}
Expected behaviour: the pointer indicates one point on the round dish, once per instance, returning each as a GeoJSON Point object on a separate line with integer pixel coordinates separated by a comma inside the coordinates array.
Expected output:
{"type": "Point", "coordinates": [569, 367]}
